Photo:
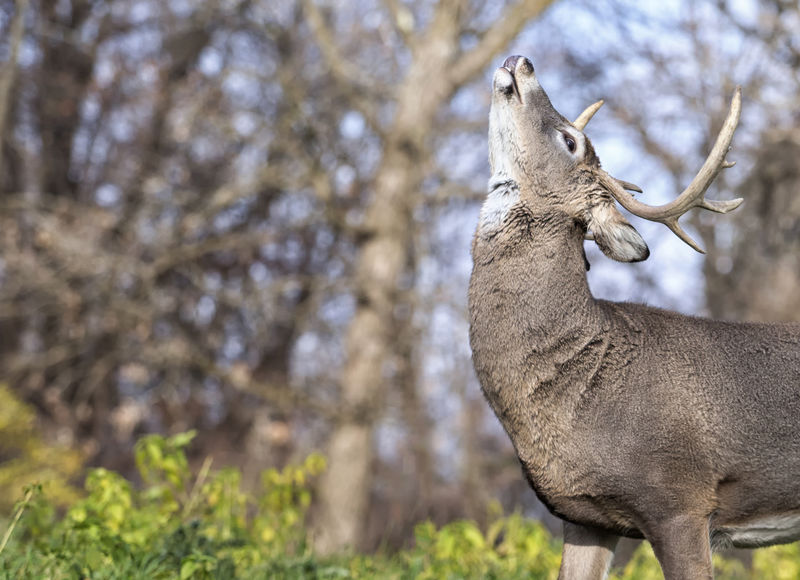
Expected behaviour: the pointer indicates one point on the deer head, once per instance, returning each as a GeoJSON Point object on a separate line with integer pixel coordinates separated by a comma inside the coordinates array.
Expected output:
{"type": "Point", "coordinates": [541, 159]}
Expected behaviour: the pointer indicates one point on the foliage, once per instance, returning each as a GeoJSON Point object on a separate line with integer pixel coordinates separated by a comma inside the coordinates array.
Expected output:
{"type": "Point", "coordinates": [203, 525]}
{"type": "Point", "coordinates": [512, 547]}
{"type": "Point", "coordinates": [179, 525]}
{"type": "Point", "coordinates": [24, 457]}
{"type": "Point", "coordinates": [777, 562]}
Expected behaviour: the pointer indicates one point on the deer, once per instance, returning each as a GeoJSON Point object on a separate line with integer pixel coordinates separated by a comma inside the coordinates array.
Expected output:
{"type": "Point", "coordinates": [628, 420]}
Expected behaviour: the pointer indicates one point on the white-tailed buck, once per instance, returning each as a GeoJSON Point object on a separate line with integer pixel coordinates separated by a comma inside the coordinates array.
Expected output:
{"type": "Point", "coordinates": [628, 420]}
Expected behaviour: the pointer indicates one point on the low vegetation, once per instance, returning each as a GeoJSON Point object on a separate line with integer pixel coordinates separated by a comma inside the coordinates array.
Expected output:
{"type": "Point", "coordinates": [201, 524]}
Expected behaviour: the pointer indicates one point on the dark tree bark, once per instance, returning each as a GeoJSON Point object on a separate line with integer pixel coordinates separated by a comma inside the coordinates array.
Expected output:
{"type": "Point", "coordinates": [759, 278]}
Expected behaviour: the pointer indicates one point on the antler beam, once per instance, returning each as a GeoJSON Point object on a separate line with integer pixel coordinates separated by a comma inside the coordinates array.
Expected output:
{"type": "Point", "coordinates": [693, 196]}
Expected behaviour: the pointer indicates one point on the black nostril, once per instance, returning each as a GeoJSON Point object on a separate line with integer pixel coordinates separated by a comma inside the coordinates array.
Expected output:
{"type": "Point", "coordinates": [511, 61]}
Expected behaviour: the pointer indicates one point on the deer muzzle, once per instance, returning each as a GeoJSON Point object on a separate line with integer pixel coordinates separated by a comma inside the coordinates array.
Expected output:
{"type": "Point", "coordinates": [516, 77]}
{"type": "Point", "coordinates": [505, 83]}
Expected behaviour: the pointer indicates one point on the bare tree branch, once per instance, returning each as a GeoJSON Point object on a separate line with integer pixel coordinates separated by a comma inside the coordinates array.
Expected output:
{"type": "Point", "coordinates": [504, 28]}
{"type": "Point", "coordinates": [361, 89]}
{"type": "Point", "coordinates": [9, 71]}
{"type": "Point", "coordinates": [403, 21]}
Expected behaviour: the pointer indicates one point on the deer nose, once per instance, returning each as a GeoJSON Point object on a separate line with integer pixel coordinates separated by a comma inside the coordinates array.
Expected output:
{"type": "Point", "coordinates": [512, 62]}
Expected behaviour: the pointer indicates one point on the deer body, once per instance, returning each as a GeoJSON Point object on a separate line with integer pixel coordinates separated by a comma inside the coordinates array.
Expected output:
{"type": "Point", "coordinates": [628, 420]}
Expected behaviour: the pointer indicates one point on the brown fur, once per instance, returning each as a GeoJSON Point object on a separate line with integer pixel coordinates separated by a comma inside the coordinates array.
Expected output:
{"type": "Point", "coordinates": [627, 420]}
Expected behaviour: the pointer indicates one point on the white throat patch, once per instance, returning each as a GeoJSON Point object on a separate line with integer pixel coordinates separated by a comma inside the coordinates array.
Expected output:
{"type": "Point", "coordinates": [503, 195]}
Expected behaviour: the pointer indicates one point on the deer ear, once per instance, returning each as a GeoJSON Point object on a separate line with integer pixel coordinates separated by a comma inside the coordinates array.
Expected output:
{"type": "Point", "coordinates": [617, 238]}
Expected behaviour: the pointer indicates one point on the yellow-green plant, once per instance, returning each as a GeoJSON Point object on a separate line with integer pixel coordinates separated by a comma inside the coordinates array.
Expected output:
{"type": "Point", "coordinates": [183, 524]}
{"type": "Point", "coordinates": [642, 566]}
{"type": "Point", "coordinates": [777, 562]}
{"type": "Point", "coordinates": [25, 457]}
{"type": "Point", "coordinates": [512, 547]}
{"type": "Point", "coordinates": [283, 503]}
{"type": "Point", "coordinates": [179, 524]}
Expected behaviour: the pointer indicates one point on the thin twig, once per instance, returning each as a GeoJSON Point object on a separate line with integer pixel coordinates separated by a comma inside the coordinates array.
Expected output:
{"type": "Point", "coordinates": [20, 508]}
{"type": "Point", "coordinates": [198, 484]}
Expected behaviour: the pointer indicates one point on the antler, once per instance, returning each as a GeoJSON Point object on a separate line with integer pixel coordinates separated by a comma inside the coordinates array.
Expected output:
{"type": "Point", "coordinates": [692, 196]}
{"type": "Point", "coordinates": [581, 122]}
{"type": "Point", "coordinates": [587, 115]}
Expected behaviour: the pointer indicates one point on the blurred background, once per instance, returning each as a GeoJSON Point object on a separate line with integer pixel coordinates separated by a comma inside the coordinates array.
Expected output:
{"type": "Point", "coordinates": [253, 218]}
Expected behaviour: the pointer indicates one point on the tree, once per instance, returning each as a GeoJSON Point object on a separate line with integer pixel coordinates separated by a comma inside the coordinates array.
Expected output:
{"type": "Point", "coordinates": [438, 68]}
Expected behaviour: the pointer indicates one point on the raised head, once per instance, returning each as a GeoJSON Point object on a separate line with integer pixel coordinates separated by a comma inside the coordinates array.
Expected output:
{"type": "Point", "coordinates": [539, 159]}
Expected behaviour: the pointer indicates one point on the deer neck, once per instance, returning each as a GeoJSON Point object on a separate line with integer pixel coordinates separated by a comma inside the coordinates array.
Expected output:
{"type": "Point", "coordinates": [529, 285]}
{"type": "Point", "coordinates": [528, 256]}
{"type": "Point", "coordinates": [536, 331]}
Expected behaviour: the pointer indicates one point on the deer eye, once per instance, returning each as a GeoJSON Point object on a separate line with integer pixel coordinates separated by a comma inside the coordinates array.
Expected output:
{"type": "Point", "coordinates": [570, 143]}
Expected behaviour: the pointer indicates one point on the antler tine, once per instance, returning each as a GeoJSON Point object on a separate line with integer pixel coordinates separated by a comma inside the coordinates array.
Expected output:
{"type": "Point", "coordinates": [587, 115]}
{"type": "Point", "coordinates": [669, 213]}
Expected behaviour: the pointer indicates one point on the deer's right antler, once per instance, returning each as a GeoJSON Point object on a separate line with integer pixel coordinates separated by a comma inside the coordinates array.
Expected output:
{"type": "Point", "coordinates": [669, 213]}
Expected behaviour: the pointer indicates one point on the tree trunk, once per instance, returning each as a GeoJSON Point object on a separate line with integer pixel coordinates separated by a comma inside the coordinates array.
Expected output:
{"type": "Point", "coordinates": [760, 278]}
{"type": "Point", "coordinates": [384, 256]}
{"type": "Point", "coordinates": [346, 485]}
{"type": "Point", "coordinates": [439, 68]}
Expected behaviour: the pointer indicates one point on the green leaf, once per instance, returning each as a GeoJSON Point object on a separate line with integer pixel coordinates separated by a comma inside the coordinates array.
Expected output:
{"type": "Point", "coordinates": [473, 535]}
{"type": "Point", "coordinates": [188, 568]}
{"type": "Point", "coordinates": [183, 439]}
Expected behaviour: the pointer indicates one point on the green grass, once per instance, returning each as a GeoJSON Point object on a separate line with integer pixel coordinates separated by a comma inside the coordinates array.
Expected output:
{"type": "Point", "coordinates": [203, 525]}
